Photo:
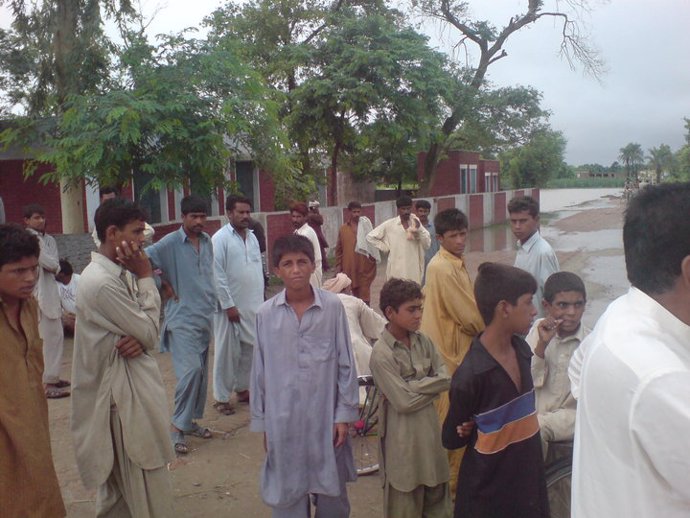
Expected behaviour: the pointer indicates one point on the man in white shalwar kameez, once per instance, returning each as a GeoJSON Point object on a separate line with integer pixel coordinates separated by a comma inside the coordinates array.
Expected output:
{"type": "Point", "coordinates": [298, 214]}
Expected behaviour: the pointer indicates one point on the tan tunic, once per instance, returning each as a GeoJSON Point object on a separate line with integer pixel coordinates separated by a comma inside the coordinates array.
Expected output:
{"type": "Point", "coordinates": [405, 256]}
{"type": "Point", "coordinates": [28, 484]}
{"type": "Point", "coordinates": [451, 319]}
{"type": "Point", "coordinates": [361, 269]}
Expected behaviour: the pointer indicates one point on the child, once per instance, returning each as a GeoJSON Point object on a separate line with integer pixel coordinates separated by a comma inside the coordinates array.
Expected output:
{"type": "Point", "coordinates": [492, 408]}
{"type": "Point", "coordinates": [553, 341]}
{"type": "Point", "coordinates": [410, 374]}
{"type": "Point", "coordinates": [303, 391]}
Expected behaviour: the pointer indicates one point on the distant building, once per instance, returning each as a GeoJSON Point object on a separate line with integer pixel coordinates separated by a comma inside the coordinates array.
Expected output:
{"type": "Point", "coordinates": [462, 172]}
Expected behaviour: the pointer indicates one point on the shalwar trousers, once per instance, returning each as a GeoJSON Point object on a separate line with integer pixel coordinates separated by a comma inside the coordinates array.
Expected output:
{"type": "Point", "coordinates": [53, 335]}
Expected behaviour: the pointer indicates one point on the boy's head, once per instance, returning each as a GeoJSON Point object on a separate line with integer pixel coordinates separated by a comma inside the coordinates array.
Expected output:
{"type": "Point", "coordinates": [34, 217]}
{"type": "Point", "coordinates": [422, 209]}
{"type": "Point", "coordinates": [401, 303]}
{"type": "Point", "coordinates": [293, 260]}
{"type": "Point", "coordinates": [120, 220]}
{"type": "Point", "coordinates": [64, 276]}
{"type": "Point", "coordinates": [504, 296]}
{"type": "Point", "coordinates": [565, 299]}
{"type": "Point", "coordinates": [194, 214]}
{"type": "Point", "coordinates": [298, 214]}
{"type": "Point", "coordinates": [19, 252]}
{"type": "Point", "coordinates": [451, 231]}
{"type": "Point", "coordinates": [524, 217]}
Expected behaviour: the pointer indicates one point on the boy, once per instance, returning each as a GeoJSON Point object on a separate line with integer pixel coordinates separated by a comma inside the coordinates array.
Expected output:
{"type": "Point", "coordinates": [28, 484]}
{"type": "Point", "coordinates": [410, 374]}
{"type": "Point", "coordinates": [68, 282]}
{"type": "Point", "coordinates": [422, 209]}
{"type": "Point", "coordinates": [451, 318]}
{"type": "Point", "coordinates": [303, 391]}
{"type": "Point", "coordinates": [553, 341]}
{"type": "Point", "coordinates": [534, 254]}
{"type": "Point", "coordinates": [492, 408]}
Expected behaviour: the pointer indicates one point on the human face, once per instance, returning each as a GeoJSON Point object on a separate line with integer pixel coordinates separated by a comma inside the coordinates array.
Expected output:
{"type": "Point", "coordinates": [239, 215]}
{"type": "Point", "coordinates": [523, 225]}
{"type": "Point", "coordinates": [298, 219]}
{"type": "Point", "coordinates": [568, 307]}
{"type": "Point", "coordinates": [404, 212]}
{"type": "Point", "coordinates": [294, 269]}
{"type": "Point", "coordinates": [18, 279]}
{"type": "Point", "coordinates": [132, 232]}
{"type": "Point", "coordinates": [522, 314]}
{"type": "Point", "coordinates": [423, 214]}
{"type": "Point", "coordinates": [36, 222]}
{"type": "Point", "coordinates": [63, 278]}
{"type": "Point", "coordinates": [193, 222]}
{"type": "Point", "coordinates": [453, 241]}
{"type": "Point", "coordinates": [408, 317]}
{"type": "Point", "coordinates": [355, 214]}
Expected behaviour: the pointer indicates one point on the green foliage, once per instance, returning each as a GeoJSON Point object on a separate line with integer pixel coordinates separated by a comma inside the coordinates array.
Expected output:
{"type": "Point", "coordinates": [660, 159]}
{"type": "Point", "coordinates": [632, 157]}
{"type": "Point", "coordinates": [533, 164]}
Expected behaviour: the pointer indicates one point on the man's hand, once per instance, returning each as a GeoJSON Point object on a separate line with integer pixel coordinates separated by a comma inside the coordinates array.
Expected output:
{"type": "Point", "coordinates": [129, 347]}
{"type": "Point", "coordinates": [547, 329]}
{"type": "Point", "coordinates": [233, 314]}
{"type": "Point", "coordinates": [339, 434]}
{"type": "Point", "coordinates": [167, 291]}
{"type": "Point", "coordinates": [465, 429]}
{"type": "Point", "coordinates": [134, 259]}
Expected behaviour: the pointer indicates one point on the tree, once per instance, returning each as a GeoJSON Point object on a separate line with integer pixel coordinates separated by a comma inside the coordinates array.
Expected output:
{"type": "Point", "coordinates": [632, 157]}
{"type": "Point", "coordinates": [660, 159]}
{"type": "Point", "coordinates": [539, 160]}
{"type": "Point", "coordinates": [489, 41]}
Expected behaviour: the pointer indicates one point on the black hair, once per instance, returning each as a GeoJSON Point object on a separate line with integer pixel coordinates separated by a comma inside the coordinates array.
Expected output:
{"type": "Point", "coordinates": [31, 209]}
{"type": "Point", "coordinates": [395, 292]}
{"type": "Point", "coordinates": [496, 282]}
{"type": "Point", "coordinates": [563, 281]}
{"type": "Point", "coordinates": [193, 203]}
{"type": "Point", "coordinates": [524, 204]}
{"type": "Point", "coordinates": [118, 212]}
{"type": "Point", "coordinates": [234, 199]}
{"type": "Point", "coordinates": [292, 243]}
{"type": "Point", "coordinates": [108, 189]}
{"type": "Point", "coordinates": [354, 205]}
{"type": "Point", "coordinates": [66, 267]}
{"type": "Point", "coordinates": [299, 207]}
{"type": "Point", "coordinates": [403, 201]}
{"type": "Point", "coordinates": [656, 236]}
{"type": "Point", "coordinates": [16, 243]}
{"type": "Point", "coordinates": [422, 204]}
{"type": "Point", "coordinates": [450, 219]}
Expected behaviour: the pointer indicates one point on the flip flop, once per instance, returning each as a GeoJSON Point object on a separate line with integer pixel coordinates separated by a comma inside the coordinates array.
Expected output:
{"type": "Point", "coordinates": [179, 444]}
{"type": "Point", "coordinates": [224, 408]}
{"type": "Point", "coordinates": [199, 431]}
{"type": "Point", "coordinates": [54, 393]}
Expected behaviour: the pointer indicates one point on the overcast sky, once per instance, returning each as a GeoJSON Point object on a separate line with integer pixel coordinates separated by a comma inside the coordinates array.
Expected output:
{"type": "Point", "coordinates": [642, 97]}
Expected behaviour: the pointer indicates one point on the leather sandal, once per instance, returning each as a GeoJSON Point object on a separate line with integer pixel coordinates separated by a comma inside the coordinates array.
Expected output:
{"type": "Point", "coordinates": [179, 444]}
{"type": "Point", "coordinates": [224, 408]}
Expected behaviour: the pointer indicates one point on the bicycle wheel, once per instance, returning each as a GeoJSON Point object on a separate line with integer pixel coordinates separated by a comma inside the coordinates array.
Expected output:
{"type": "Point", "coordinates": [364, 439]}
{"type": "Point", "coordinates": [558, 478]}
{"type": "Point", "coordinates": [365, 450]}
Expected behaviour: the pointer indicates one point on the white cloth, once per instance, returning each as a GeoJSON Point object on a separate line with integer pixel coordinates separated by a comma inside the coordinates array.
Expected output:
{"type": "Point", "coordinates": [365, 324]}
{"type": "Point", "coordinates": [405, 256]}
{"type": "Point", "coordinates": [362, 246]}
{"type": "Point", "coordinates": [631, 435]}
{"type": "Point", "coordinates": [308, 232]}
{"type": "Point", "coordinates": [46, 291]}
{"type": "Point", "coordinates": [68, 294]}
{"type": "Point", "coordinates": [538, 258]}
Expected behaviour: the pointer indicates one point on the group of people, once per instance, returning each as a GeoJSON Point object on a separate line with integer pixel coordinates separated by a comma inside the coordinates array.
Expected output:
{"type": "Point", "coordinates": [473, 388]}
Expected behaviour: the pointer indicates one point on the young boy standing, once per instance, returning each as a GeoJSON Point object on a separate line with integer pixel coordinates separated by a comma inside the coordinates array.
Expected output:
{"type": "Point", "coordinates": [492, 407]}
{"type": "Point", "coordinates": [411, 374]}
{"type": "Point", "coordinates": [303, 391]}
{"type": "Point", "coordinates": [553, 340]}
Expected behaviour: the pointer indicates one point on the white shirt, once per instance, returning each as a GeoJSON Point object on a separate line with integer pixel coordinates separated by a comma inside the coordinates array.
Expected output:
{"type": "Point", "coordinates": [632, 434]}
{"type": "Point", "coordinates": [538, 258]}
{"type": "Point", "coordinates": [308, 232]}
{"type": "Point", "coordinates": [68, 294]}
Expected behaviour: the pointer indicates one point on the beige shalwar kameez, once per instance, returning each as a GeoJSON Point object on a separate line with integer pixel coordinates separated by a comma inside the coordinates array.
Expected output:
{"type": "Point", "coordinates": [405, 256]}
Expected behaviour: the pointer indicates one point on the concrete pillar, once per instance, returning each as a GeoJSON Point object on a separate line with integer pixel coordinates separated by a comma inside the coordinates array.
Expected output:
{"type": "Point", "coordinates": [72, 207]}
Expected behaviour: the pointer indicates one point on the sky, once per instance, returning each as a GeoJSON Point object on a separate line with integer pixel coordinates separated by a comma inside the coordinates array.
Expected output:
{"type": "Point", "coordinates": [642, 97]}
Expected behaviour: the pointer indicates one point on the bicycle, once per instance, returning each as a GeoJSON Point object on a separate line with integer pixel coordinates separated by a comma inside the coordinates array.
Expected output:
{"type": "Point", "coordinates": [558, 475]}
{"type": "Point", "coordinates": [363, 434]}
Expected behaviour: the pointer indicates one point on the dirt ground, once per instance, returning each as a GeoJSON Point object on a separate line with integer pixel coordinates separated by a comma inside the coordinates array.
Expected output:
{"type": "Point", "coordinates": [219, 477]}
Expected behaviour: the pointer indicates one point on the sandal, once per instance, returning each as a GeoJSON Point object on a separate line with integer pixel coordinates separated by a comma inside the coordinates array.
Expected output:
{"type": "Point", "coordinates": [179, 444]}
{"type": "Point", "coordinates": [61, 384]}
{"type": "Point", "coordinates": [224, 408]}
{"type": "Point", "coordinates": [199, 431]}
{"type": "Point", "coordinates": [55, 393]}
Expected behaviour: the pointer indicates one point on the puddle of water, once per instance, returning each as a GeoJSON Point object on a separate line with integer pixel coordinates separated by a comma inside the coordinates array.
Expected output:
{"type": "Point", "coordinates": [585, 241]}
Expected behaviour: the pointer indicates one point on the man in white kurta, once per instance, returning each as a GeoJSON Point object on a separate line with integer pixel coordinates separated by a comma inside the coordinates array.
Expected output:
{"type": "Point", "coordinates": [633, 377]}
{"type": "Point", "coordinates": [298, 214]}
{"type": "Point", "coordinates": [405, 240]}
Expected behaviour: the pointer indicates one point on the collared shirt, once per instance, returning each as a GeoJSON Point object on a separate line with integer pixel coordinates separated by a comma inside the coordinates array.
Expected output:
{"type": "Point", "coordinates": [28, 483]}
{"type": "Point", "coordinates": [46, 291]}
{"type": "Point", "coordinates": [68, 294]}
{"type": "Point", "coordinates": [633, 415]}
{"type": "Point", "coordinates": [190, 272]}
{"type": "Point", "coordinates": [107, 310]}
{"type": "Point", "coordinates": [405, 256]}
{"type": "Point", "coordinates": [410, 378]}
{"type": "Point", "coordinates": [308, 232]}
{"type": "Point", "coordinates": [538, 258]}
{"type": "Point", "coordinates": [239, 277]}
{"type": "Point", "coordinates": [302, 382]}
{"type": "Point", "coordinates": [555, 404]}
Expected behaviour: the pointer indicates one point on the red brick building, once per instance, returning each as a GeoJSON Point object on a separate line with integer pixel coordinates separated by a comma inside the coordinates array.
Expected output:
{"type": "Point", "coordinates": [462, 172]}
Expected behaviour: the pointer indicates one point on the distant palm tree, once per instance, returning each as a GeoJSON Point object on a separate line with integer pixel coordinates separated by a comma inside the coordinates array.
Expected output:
{"type": "Point", "coordinates": [632, 157]}
{"type": "Point", "coordinates": [660, 159]}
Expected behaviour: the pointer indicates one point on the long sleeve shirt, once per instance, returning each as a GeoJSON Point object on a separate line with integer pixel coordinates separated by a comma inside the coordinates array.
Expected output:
{"type": "Point", "coordinates": [46, 291]}
{"type": "Point", "coordinates": [107, 310]}
{"type": "Point", "coordinates": [538, 258]}
{"type": "Point", "coordinates": [302, 382]}
{"type": "Point", "coordinates": [410, 378]}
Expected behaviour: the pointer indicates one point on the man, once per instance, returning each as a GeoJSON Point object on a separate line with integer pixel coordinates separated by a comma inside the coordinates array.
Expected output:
{"type": "Point", "coordinates": [28, 484]}
{"type": "Point", "coordinates": [535, 254]}
{"type": "Point", "coordinates": [304, 391]}
{"type": "Point", "coordinates": [405, 240]}
{"type": "Point", "coordinates": [354, 256]}
{"type": "Point", "coordinates": [108, 193]}
{"type": "Point", "coordinates": [298, 214]}
{"type": "Point", "coordinates": [50, 308]}
{"type": "Point", "coordinates": [422, 209]}
{"type": "Point", "coordinates": [119, 408]}
{"type": "Point", "coordinates": [315, 220]}
{"type": "Point", "coordinates": [631, 375]}
{"type": "Point", "coordinates": [185, 259]}
{"type": "Point", "coordinates": [68, 281]}
{"type": "Point", "coordinates": [239, 278]}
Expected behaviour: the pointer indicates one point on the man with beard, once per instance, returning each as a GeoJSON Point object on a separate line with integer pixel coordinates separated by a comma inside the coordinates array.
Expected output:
{"type": "Point", "coordinates": [298, 214]}
{"type": "Point", "coordinates": [185, 258]}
